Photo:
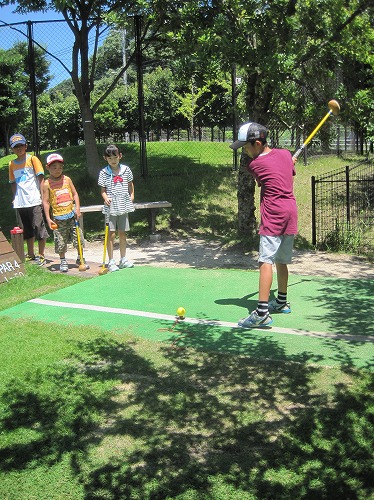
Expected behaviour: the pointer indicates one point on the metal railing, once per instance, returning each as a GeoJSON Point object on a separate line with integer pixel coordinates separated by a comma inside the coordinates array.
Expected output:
{"type": "Point", "coordinates": [343, 208]}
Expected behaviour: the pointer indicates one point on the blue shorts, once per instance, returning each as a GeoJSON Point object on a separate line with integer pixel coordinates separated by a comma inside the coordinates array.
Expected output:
{"type": "Point", "coordinates": [276, 249]}
{"type": "Point", "coordinates": [120, 222]}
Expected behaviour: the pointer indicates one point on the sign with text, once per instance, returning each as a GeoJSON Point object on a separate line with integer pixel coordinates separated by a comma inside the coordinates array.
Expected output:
{"type": "Point", "coordinates": [10, 264]}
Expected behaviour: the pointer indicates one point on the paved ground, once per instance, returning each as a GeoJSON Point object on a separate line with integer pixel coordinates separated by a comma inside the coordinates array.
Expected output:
{"type": "Point", "coordinates": [93, 266]}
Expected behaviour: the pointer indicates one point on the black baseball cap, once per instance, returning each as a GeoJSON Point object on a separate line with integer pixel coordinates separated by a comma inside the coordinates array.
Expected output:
{"type": "Point", "coordinates": [249, 132]}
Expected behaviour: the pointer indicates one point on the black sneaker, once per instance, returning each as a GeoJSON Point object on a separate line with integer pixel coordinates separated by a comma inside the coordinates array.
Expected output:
{"type": "Point", "coordinates": [40, 260]}
{"type": "Point", "coordinates": [275, 306]}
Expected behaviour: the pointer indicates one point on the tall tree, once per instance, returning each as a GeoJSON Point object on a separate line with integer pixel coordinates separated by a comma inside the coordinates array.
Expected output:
{"type": "Point", "coordinates": [41, 63]}
{"type": "Point", "coordinates": [270, 42]}
{"type": "Point", "coordinates": [83, 18]}
{"type": "Point", "coordinates": [59, 120]}
{"type": "Point", "coordinates": [160, 99]}
{"type": "Point", "coordinates": [13, 102]}
{"type": "Point", "coordinates": [15, 88]}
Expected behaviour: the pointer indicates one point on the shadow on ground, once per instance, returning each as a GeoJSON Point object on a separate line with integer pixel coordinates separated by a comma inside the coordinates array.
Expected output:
{"type": "Point", "coordinates": [193, 424]}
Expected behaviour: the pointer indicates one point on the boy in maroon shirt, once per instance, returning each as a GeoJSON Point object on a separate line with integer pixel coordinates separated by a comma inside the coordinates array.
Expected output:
{"type": "Point", "coordinates": [273, 170]}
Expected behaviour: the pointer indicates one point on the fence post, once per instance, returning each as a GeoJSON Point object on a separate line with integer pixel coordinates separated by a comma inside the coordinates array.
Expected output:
{"type": "Point", "coordinates": [314, 229]}
{"type": "Point", "coordinates": [234, 117]}
{"type": "Point", "coordinates": [139, 68]}
{"type": "Point", "coordinates": [347, 195]}
{"type": "Point", "coordinates": [34, 105]}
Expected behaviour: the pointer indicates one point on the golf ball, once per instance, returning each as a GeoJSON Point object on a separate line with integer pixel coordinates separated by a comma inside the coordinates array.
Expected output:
{"type": "Point", "coordinates": [181, 311]}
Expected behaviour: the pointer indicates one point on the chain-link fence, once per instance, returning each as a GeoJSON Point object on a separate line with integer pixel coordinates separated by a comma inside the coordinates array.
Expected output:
{"type": "Point", "coordinates": [55, 39]}
{"type": "Point", "coordinates": [343, 208]}
{"type": "Point", "coordinates": [342, 201]}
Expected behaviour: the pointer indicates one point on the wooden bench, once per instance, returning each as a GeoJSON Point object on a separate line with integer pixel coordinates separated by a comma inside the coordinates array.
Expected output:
{"type": "Point", "coordinates": [152, 207]}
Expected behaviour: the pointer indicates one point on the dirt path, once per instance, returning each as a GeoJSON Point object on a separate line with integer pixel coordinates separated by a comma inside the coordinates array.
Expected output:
{"type": "Point", "coordinates": [194, 252]}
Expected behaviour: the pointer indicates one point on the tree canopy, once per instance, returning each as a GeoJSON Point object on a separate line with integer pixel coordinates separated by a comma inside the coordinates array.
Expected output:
{"type": "Point", "coordinates": [292, 56]}
{"type": "Point", "coordinates": [15, 85]}
{"type": "Point", "coordinates": [310, 45]}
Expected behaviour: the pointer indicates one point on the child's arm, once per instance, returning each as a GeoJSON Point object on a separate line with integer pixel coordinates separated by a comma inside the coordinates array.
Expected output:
{"type": "Point", "coordinates": [106, 199]}
{"type": "Point", "coordinates": [12, 180]}
{"type": "Point", "coordinates": [76, 199]}
{"type": "Point", "coordinates": [39, 172]}
{"type": "Point", "coordinates": [131, 191]}
{"type": "Point", "coordinates": [40, 178]}
{"type": "Point", "coordinates": [46, 204]}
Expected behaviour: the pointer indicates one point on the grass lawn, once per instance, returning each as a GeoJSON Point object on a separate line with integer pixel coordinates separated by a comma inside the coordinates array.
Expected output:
{"type": "Point", "coordinates": [93, 414]}
{"type": "Point", "coordinates": [196, 177]}
{"type": "Point", "coordinates": [88, 413]}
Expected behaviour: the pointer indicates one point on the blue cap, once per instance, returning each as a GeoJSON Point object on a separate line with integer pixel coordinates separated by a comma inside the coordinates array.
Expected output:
{"type": "Point", "coordinates": [17, 139]}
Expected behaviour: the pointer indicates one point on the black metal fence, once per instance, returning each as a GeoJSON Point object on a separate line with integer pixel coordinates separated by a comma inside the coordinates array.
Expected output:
{"type": "Point", "coordinates": [343, 208]}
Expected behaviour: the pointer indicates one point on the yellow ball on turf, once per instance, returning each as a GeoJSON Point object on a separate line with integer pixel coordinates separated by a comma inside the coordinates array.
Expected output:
{"type": "Point", "coordinates": [181, 311]}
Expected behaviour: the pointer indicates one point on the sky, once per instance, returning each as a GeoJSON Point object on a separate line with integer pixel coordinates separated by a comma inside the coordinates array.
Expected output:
{"type": "Point", "coordinates": [6, 15]}
{"type": "Point", "coordinates": [56, 37]}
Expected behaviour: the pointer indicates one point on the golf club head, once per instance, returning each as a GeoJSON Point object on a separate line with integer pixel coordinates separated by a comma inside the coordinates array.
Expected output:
{"type": "Point", "coordinates": [334, 107]}
{"type": "Point", "coordinates": [103, 271]}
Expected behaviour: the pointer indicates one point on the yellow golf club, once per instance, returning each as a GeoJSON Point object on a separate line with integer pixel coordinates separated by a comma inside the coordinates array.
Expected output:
{"type": "Point", "coordinates": [82, 265]}
{"type": "Point", "coordinates": [334, 109]}
{"type": "Point", "coordinates": [103, 269]}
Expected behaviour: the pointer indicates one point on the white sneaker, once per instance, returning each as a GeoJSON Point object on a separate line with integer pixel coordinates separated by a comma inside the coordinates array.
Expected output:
{"type": "Point", "coordinates": [112, 266]}
{"type": "Point", "coordinates": [123, 263]}
{"type": "Point", "coordinates": [256, 321]}
{"type": "Point", "coordinates": [64, 268]}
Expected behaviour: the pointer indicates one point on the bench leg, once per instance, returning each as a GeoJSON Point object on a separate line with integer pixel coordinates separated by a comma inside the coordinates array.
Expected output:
{"type": "Point", "coordinates": [152, 219]}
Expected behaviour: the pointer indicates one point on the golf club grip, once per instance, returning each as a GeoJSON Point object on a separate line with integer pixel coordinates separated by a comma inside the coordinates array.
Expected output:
{"type": "Point", "coordinates": [298, 152]}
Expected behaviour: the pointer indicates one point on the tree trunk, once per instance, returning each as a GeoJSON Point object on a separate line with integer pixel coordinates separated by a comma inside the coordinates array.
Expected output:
{"type": "Point", "coordinates": [92, 155]}
{"type": "Point", "coordinates": [257, 108]}
{"type": "Point", "coordinates": [83, 94]}
{"type": "Point", "coordinates": [247, 224]}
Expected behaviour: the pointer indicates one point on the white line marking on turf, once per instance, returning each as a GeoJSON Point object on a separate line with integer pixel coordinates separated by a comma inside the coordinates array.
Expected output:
{"type": "Point", "coordinates": [196, 321]}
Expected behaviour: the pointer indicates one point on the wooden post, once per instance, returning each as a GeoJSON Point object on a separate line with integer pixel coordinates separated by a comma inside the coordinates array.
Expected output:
{"type": "Point", "coordinates": [16, 236]}
{"type": "Point", "coordinates": [11, 265]}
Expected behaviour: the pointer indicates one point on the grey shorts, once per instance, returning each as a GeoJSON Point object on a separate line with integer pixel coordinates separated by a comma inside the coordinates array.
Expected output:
{"type": "Point", "coordinates": [120, 222]}
{"type": "Point", "coordinates": [276, 249]}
